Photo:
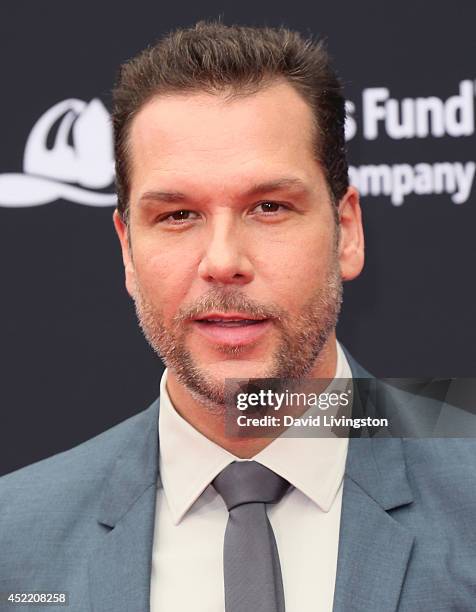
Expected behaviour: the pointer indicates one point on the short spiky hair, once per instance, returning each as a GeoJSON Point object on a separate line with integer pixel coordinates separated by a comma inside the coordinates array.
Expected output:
{"type": "Point", "coordinates": [213, 57]}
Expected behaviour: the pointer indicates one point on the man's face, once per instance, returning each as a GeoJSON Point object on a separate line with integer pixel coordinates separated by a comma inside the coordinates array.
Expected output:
{"type": "Point", "coordinates": [234, 261]}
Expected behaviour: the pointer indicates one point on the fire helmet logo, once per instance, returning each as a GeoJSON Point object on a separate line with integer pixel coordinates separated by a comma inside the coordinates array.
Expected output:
{"type": "Point", "coordinates": [73, 172]}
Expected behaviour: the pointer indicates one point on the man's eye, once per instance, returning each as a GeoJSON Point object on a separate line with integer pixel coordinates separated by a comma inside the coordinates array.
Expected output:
{"type": "Point", "coordinates": [178, 215]}
{"type": "Point", "coordinates": [269, 207]}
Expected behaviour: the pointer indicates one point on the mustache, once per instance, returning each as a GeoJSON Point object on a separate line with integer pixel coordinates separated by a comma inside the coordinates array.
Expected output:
{"type": "Point", "coordinates": [228, 301]}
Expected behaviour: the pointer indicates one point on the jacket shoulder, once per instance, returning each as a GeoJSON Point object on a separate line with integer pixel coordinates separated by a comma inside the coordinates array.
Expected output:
{"type": "Point", "coordinates": [49, 510]}
{"type": "Point", "coordinates": [71, 473]}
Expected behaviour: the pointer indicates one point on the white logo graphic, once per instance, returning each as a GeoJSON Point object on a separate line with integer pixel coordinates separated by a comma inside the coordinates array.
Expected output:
{"type": "Point", "coordinates": [48, 173]}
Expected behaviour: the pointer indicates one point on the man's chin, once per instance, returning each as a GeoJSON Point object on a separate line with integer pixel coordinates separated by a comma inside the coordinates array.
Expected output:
{"type": "Point", "coordinates": [233, 368]}
{"type": "Point", "coordinates": [207, 383]}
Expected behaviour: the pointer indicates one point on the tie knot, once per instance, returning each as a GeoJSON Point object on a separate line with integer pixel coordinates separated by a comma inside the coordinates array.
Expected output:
{"type": "Point", "coordinates": [246, 482]}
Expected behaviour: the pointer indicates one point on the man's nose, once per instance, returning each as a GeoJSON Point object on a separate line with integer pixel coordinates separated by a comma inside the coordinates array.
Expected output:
{"type": "Point", "coordinates": [225, 259]}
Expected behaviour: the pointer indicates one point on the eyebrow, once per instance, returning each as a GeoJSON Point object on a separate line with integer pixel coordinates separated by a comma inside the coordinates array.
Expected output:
{"type": "Point", "coordinates": [293, 183]}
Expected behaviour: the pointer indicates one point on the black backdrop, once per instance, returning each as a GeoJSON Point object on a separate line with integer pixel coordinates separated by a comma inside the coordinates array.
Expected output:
{"type": "Point", "coordinates": [73, 362]}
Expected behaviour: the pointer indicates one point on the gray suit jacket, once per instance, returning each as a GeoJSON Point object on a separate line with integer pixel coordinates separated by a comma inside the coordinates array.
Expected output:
{"type": "Point", "coordinates": [82, 522]}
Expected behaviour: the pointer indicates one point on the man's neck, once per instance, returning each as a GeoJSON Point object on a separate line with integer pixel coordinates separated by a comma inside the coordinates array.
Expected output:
{"type": "Point", "coordinates": [212, 423]}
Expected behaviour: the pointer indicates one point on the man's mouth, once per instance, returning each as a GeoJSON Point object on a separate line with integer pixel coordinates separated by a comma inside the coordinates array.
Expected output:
{"type": "Point", "coordinates": [230, 322]}
{"type": "Point", "coordinates": [232, 328]}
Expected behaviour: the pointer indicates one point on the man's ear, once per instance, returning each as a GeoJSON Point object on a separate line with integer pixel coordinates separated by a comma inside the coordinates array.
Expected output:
{"type": "Point", "coordinates": [123, 235]}
{"type": "Point", "coordinates": [351, 243]}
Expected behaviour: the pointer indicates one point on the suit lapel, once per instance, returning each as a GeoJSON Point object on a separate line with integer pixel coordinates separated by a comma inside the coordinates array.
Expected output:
{"type": "Point", "coordinates": [120, 566]}
{"type": "Point", "coordinates": [374, 549]}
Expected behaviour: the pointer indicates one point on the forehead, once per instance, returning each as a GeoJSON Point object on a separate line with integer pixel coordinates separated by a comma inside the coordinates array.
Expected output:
{"type": "Point", "coordinates": [212, 138]}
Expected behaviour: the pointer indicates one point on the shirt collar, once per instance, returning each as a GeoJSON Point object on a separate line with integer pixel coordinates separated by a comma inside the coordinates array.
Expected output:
{"type": "Point", "coordinates": [313, 465]}
{"type": "Point", "coordinates": [189, 461]}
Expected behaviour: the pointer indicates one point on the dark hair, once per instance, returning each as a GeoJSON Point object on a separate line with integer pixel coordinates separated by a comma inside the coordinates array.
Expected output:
{"type": "Point", "coordinates": [213, 57]}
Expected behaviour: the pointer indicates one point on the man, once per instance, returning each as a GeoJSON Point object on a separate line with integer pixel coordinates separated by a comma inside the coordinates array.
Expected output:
{"type": "Point", "coordinates": [237, 227]}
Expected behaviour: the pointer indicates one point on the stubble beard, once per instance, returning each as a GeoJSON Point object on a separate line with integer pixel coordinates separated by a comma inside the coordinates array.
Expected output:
{"type": "Point", "coordinates": [301, 344]}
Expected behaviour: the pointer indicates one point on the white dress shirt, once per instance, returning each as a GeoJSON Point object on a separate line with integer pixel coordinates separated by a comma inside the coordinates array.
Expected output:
{"type": "Point", "coordinates": [187, 559]}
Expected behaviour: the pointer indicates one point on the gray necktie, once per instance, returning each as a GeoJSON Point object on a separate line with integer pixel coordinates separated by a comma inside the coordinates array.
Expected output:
{"type": "Point", "coordinates": [253, 581]}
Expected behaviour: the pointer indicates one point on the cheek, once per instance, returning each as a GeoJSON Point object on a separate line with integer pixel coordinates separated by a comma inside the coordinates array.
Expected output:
{"type": "Point", "coordinates": [164, 279]}
{"type": "Point", "coordinates": [296, 269]}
